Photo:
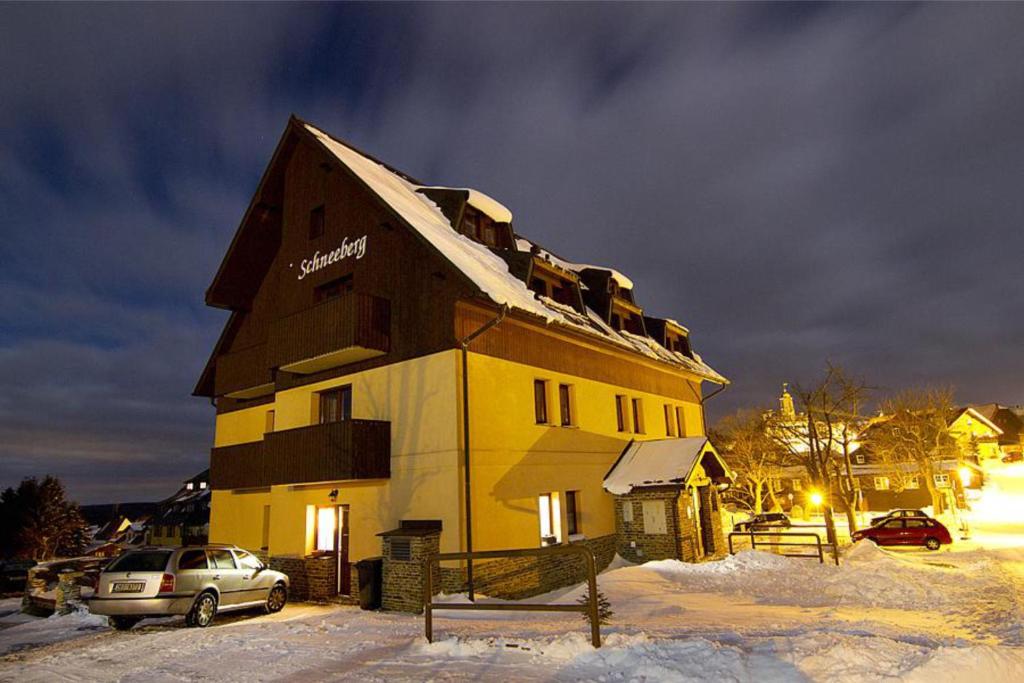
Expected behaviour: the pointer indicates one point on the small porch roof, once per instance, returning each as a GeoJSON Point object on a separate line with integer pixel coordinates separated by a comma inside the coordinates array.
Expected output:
{"type": "Point", "coordinates": [665, 462]}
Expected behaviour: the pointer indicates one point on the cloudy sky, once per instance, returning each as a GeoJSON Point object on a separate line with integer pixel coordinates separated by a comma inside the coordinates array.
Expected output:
{"type": "Point", "coordinates": [794, 183]}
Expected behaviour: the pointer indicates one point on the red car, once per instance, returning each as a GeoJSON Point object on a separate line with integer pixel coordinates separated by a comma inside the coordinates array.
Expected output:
{"type": "Point", "coordinates": [907, 531]}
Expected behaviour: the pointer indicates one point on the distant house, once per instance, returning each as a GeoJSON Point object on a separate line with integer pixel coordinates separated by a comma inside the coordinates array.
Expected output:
{"type": "Point", "coordinates": [184, 518]}
{"type": "Point", "coordinates": [1010, 421]}
{"type": "Point", "coordinates": [977, 434]}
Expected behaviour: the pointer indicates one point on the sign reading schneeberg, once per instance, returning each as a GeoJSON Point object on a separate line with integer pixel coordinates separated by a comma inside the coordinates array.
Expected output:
{"type": "Point", "coordinates": [356, 247]}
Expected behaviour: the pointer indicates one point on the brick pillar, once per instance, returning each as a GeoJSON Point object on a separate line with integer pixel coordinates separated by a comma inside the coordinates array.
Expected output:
{"type": "Point", "coordinates": [33, 585]}
{"type": "Point", "coordinates": [404, 583]}
{"type": "Point", "coordinates": [69, 592]}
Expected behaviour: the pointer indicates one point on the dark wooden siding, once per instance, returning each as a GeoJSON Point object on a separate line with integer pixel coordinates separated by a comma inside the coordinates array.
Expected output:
{"type": "Point", "coordinates": [339, 323]}
{"type": "Point", "coordinates": [337, 451]}
{"type": "Point", "coordinates": [525, 343]}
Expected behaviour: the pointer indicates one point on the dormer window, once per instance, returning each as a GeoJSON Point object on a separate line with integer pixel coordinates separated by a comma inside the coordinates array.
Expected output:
{"type": "Point", "coordinates": [627, 316]}
{"type": "Point", "coordinates": [479, 227]}
{"type": "Point", "coordinates": [549, 281]}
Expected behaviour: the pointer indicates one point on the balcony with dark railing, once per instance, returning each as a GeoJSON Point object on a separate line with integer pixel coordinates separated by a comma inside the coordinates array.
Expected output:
{"type": "Point", "coordinates": [335, 451]}
{"type": "Point", "coordinates": [244, 373]}
{"type": "Point", "coordinates": [339, 331]}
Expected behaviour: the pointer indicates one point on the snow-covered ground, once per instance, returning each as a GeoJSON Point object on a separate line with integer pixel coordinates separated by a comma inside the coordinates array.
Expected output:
{"type": "Point", "coordinates": [956, 614]}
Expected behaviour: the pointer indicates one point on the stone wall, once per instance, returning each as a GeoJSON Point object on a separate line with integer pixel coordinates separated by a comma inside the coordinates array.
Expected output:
{"type": "Point", "coordinates": [403, 582]}
{"type": "Point", "coordinates": [313, 578]}
{"type": "Point", "coordinates": [633, 541]}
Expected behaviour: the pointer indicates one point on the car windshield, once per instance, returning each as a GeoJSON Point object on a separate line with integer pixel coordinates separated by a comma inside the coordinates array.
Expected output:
{"type": "Point", "coordinates": [148, 561]}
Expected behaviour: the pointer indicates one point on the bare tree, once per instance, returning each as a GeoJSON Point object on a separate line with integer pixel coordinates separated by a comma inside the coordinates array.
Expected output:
{"type": "Point", "coordinates": [914, 437]}
{"type": "Point", "coordinates": [819, 438]}
{"type": "Point", "coordinates": [754, 455]}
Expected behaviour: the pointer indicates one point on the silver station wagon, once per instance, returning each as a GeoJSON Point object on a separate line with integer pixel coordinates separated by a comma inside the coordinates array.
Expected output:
{"type": "Point", "coordinates": [197, 581]}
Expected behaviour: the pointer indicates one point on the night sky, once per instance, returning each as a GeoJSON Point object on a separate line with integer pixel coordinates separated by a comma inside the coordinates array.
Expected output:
{"type": "Point", "coordinates": [794, 183]}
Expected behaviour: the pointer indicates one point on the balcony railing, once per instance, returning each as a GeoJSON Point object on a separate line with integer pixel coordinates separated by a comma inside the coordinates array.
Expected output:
{"type": "Point", "coordinates": [346, 329]}
{"type": "Point", "coordinates": [244, 373]}
{"type": "Point", "coordinates": [336, 451]}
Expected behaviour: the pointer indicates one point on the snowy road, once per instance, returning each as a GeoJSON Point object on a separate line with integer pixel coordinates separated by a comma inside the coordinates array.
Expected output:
{"type": "Point", "coordinates": [957, 614]}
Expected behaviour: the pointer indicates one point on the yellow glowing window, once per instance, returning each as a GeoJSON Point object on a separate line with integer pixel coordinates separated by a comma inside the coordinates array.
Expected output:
{"type": "Point", "coordinates": [326, 528]}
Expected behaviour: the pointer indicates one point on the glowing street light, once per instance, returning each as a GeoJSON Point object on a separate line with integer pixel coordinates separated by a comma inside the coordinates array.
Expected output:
{"type": "Point", "coordinates": [816, 498]}
{"type": "Point", "coordinates": [965, 475]}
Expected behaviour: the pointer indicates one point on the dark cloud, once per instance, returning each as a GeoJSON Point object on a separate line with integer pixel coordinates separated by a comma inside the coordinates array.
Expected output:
{"type": "Point", "coordinates": [794, 182]}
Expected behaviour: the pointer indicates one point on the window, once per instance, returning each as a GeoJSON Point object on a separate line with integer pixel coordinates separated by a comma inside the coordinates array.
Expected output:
{"type": "Point", "coordinates": [572, 512]}
{"type": "Point", "coordinates": [620, 412]}
{"type": "Point", "coordinates": [915, 523]}
{"type": "Point", "coordinates": [798, 485]}
{"type": "Point", "coordinates": [913, 483]}
{"type": "Point", "coordinates": [627, 511]}
{"type": "Point", "coordinates": [550, 514]}
{"type": "Point", "coordinates": [336, 405]}
{"type": "Point", "coordinates": [638, 416]}
{"type": "Point", "coordinates": [540, 401]}
{"type": "Point", "coordinates": [333, 289]}
{"type": "Point", "coordinates": [247, 560]}
{"type": "Point", "coordinates": [942, 481]}
{"type": "Point", "coordinates": [192, 559]}
{"type": "Point", "coordinates": [670, 427]}
{"type": "Point", "coordinates": [202, 485]}
{"type": "Point", "coordinates": [326, 528]}
{"type": "Point", "coordinates": [616, 322]}
{"type": "Point", "coordinates": [221, 558]}
{"type": "Point", "coordinates": [654, 517]}
{"type": "Point", "coordinates": [538, 286]}
{"type": "Point", "coordinates": [565, 404]}
{"type": "Point", "coordinates": [859, 458]}
{"type": "Point", "coordinates": [268, 423]}
{"type": "Point", "coordinates": [681, 420]}
{"type": "Point", "coordinates": [881, 483]}
{"type": "Point", "coordinates": [893, 524]}
{"type": "Point", "coordinates": [145, 561]}
{"type": "Point", "coordinates": [316, 222]}
{"type": "Point", "coordinates": [189, 486]}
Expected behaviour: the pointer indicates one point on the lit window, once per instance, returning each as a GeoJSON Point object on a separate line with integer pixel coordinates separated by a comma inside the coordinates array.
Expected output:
{"type": "Point", "coordinates": [540, 401]}
{"type": "Point", "coordinates": [942, 481]}
{"type": "Point", "coordinates": [881, 483]}
{"type": "Point", "coordinates": [326, 528]}
{"type": "Point", "coordinates": [202, 485]}
{"type": "Point", "coordinates": [189, 486]}
{"type": "Point", "coordinates": [859, 458]}
{"type": "Point", "coordinates": [913, 483]}
{"type": "Point", "coordinates": [550, 513]}
{"type": "Point", "coordinates": [798, 485]}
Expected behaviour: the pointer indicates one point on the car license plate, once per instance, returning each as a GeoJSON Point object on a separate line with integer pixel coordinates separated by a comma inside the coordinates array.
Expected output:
{"type": "Point", "coordinates": [129, 587]}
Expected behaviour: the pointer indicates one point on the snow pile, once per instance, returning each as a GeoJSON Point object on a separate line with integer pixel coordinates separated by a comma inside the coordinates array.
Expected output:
{"type": "Point", "coordinates": [27, 632]}
{"type": "Point", "coordinates": [868, 577]}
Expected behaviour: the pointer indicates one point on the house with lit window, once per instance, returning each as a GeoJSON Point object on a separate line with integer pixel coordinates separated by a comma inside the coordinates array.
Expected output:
{"type": "Point", "coordinates": [399, 363]}
{"type": "Point", "coordinates": [183, 518]}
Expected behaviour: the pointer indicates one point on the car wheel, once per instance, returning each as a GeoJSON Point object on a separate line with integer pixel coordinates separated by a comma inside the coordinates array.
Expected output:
{"type": "Point", "coordinates": [276, 599]}
{"type": "Point", "coordinates": [124, 623]}
{"type": "Point", "coordinates": [932, 543]}
{"type": "Point", "coordinates": [204, 610]}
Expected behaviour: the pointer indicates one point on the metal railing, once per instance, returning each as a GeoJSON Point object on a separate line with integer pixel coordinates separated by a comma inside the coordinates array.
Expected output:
{"type": "Point", "coordinates": [781, 542]}
{"type": "Point", "coordinates": [590, 608]}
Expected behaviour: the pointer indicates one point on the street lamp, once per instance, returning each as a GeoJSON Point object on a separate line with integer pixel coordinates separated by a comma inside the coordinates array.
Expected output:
{"type": "Point", "coordinates": [816, 498]}
{"type": "Point", "coordinates": [965, 475]}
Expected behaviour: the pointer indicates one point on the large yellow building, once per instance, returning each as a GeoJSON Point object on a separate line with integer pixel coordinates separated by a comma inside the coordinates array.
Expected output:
{"type": "Point", "coordinates": [385, 333]}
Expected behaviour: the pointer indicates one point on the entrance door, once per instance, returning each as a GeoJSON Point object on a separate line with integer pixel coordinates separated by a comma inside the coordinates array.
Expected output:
{"type": "Point", "coordinates": [332, 536]}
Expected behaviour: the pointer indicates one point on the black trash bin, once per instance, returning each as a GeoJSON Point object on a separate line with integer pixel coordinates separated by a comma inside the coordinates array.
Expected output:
{"type": "Point", "coordinates": [371, 578]}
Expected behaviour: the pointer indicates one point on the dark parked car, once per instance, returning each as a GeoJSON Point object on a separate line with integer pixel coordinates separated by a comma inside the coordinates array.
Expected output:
{"type": "Point", "coordinates": [765, 519]}
{"type": "Point", "coordinates": [14, 574]}
{"type": "Point", "coordinates": [907, 531]}
{"type": "Point", "coordinates": [897, 514]}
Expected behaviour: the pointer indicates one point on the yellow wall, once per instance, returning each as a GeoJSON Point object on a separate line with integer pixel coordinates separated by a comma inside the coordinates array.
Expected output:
{"type": "Point", "coordinates": [419, 398]}
{"type": "Point", "coordinates": [513, 459]}
{"type": "Point", "coordinates": [967, 426]}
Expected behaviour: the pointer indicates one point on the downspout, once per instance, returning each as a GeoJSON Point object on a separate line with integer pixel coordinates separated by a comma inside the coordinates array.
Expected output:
{"type": "Point", "coordinates": [703, 413]}
{"type": "Point", "coordinates": [464, 344]}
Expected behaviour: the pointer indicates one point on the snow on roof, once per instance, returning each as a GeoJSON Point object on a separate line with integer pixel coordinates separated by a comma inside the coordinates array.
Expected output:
{"type": "Point", "coordinates": [483, 267]}
{"type": "Point", "coordinates": [523, 244]}
{"type": "Point", "coordinates": [655, 463]}
{"type": "Point", "coordinates": [490, 206]}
